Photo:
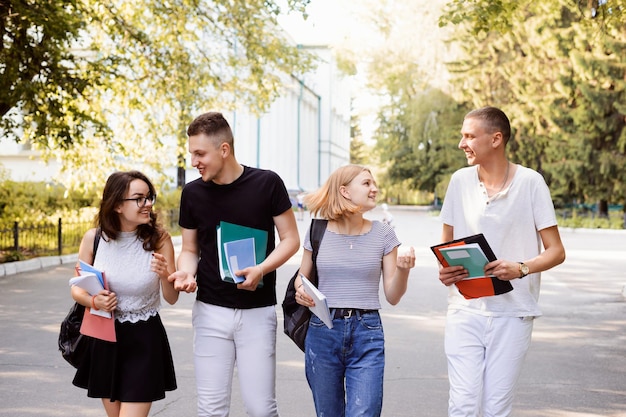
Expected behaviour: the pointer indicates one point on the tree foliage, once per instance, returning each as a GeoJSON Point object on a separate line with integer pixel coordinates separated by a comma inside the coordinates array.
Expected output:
{"type": "Point", "coordinates": [562, 84]}
{"type": "Point", "coordinates": [128, 76]}
{"type": "Point", "coordinates": [46, 83]}
{"type": "Point", "coordinates": [560, 79]}
{"type": "Point", "coordinates": [419, 142]}
{"type": "Point", "coordinates": [418, 123]}
{"type": "Point", "coordinates": [484, 16]}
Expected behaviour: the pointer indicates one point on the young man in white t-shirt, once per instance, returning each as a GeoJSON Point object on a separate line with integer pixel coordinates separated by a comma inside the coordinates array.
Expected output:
{"type": "Point", "coordinates": [486, 338]}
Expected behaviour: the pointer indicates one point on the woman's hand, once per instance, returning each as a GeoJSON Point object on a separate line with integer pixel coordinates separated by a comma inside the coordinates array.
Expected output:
{"type": "Point", "coordinates": [158, 264]}
{"type": "Point", "coordinates": [105, 300]}
{"type": "Point", "coordinates": [302, 297]}
{"type": "Point", "coordinates": [406, 260]}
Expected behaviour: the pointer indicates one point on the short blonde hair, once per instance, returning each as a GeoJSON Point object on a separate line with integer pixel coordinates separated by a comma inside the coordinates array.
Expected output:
{"type": "Point", "coordinates": [327, 201]}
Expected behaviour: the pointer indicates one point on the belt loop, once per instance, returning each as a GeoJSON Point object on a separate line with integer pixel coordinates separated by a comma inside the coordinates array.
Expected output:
{"type": "Point", "coordinates": [332, 313]}
{"type": "Point", "coordinates": [350, 310]}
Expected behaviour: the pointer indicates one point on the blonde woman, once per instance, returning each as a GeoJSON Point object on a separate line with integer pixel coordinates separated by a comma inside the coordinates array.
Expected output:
{"type": "Point", "coordinates": [345, 364]}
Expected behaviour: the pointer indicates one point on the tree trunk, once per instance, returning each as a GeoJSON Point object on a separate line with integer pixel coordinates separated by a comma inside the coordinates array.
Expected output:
{"type": "Point", "coordinates": [180, 177]}
{"type": "Point", "coordinates": [603, 209]}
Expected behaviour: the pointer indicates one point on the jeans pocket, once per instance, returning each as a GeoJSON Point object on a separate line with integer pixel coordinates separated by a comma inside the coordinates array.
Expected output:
{"type": "Point", "coordinates": [371, 321]}
{"type": "Point", "coordinates": [316, 322]}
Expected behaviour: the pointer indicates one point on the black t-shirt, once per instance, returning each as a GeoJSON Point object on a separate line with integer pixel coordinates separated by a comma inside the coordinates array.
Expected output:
{"type": "Point", "coordinates": [251, 200]}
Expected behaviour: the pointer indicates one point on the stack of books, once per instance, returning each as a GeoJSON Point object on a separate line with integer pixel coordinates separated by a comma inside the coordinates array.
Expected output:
{"type": "Point", "coordinates": [473, 253]}
{"type": "Point", "coordinates": [239, 247]}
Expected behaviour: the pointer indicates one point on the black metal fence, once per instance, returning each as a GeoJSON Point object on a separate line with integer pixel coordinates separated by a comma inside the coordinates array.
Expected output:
{"type": "Point", "coordinates": [48, 239]}
{"type": "Point", "coordinates": [43, 239]}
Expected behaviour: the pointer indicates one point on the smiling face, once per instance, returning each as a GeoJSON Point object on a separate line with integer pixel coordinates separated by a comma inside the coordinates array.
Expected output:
{"type": "Point", "coordinates": [130, 214]}
{"type": "Point", "coordinates": [207, 156]}
{"type": "Point", "coordinates": [362, 191]}
{"type": "Point", "coordinates": [477, 141]}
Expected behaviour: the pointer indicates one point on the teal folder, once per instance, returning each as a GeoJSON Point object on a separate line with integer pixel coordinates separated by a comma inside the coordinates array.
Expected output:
{"type": "Point", "coordinates": [470, 256]}
{"type": "Point", "coordinates": [233, 240]}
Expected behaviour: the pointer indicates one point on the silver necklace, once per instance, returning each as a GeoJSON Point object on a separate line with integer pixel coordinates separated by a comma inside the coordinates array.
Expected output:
{"type": "Point", "coordinates": [506, 178]}
{"type": "Point", "coordinates": [349, 239]}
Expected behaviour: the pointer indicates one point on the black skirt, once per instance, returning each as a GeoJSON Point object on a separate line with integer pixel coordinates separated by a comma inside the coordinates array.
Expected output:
{"type": "Point", "coordinates": [137, 368]}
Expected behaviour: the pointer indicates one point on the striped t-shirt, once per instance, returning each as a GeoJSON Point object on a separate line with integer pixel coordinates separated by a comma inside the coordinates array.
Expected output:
{"type": "Point", "coordinates": [350, 278]}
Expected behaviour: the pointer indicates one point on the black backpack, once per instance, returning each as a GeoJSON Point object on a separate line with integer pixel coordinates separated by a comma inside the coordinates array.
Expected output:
{"type": "Point", "coordinates": [72, 344]}
{"type": "Point", "coordinates": [296, 316]}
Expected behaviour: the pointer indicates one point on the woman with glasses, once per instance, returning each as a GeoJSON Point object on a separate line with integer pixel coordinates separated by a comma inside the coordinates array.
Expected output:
{"type": "Point", "coordinates": [136, 255]}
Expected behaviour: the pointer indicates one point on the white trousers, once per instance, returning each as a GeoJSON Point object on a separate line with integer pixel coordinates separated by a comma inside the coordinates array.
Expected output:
{"type": "Point", "coordinates": [223, 337]}
{"type": "Point", "coordinates": [485, 358]}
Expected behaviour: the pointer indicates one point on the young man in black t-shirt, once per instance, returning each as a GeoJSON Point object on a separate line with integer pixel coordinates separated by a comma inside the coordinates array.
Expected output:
{"type": "Point", "coordinates": [233, 323]}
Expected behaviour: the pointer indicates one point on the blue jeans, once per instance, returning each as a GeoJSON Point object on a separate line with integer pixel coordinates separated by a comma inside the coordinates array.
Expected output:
{"type": "Point", "coordinates": [345, 365]}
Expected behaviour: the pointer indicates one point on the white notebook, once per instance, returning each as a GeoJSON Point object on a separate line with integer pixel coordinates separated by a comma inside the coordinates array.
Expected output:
{"type": "Point", "coordinates": [321, 306]}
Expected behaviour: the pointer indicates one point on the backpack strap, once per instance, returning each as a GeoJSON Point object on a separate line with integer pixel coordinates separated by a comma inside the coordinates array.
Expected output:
{"type": "Point", "coordinates": [96, 242]}
{"type": "Point", "coordinates": [318, 227]}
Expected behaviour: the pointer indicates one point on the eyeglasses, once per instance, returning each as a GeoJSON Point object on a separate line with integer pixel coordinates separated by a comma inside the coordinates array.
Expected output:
{"type": "Point", "coordinates": [142, 201]}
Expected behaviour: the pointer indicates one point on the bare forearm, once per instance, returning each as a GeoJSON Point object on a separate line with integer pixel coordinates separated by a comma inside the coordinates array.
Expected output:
{"type": "Point", "coordinates": [398, 286]}
{"type": "Point", "coordinates": [187, 262]}
{"type": "Point", "coordinates": [548, 259]}
{"type": "Point", "coordinates": [281, 254]}
{"type": "Point", "coordinates": [169, 293]}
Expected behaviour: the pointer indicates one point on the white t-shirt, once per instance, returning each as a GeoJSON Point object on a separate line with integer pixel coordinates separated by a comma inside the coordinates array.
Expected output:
{"type": "Point", "coordinates": [510, 221]}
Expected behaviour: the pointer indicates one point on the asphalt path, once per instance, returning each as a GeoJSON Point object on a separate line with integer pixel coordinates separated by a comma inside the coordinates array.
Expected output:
{"type": "Point", "coordinates": [576, 366]}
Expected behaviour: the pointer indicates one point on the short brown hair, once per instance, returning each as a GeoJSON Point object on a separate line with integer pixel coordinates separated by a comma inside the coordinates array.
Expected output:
{"type": "Point", "coordinates": [495, 120]}
{"type": "Point", "coordinates": [214, 125]}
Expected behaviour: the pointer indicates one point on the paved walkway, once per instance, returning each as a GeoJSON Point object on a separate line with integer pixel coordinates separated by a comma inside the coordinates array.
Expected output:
{"type": "Point", "coordinates": [576, 366]}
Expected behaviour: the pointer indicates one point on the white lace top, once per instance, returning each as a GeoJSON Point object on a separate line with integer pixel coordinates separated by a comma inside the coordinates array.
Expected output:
{"type": "Point", "coordinates": [126, 266]}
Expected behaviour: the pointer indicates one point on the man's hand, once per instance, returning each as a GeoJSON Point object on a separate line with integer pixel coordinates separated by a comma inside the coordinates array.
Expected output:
{"type": "Point", "coordinates": [452, 274]}
{"type": "Point", "coordinates": [504, 270]}
{"type": "Point", "coordinates": [183, 281]}
{"type": "Point", "coordinates": [253, 275]}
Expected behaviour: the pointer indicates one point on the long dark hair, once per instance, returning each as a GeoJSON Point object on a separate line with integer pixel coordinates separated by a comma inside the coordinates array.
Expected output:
{"type": "Point", "coordinates": [114, 193]}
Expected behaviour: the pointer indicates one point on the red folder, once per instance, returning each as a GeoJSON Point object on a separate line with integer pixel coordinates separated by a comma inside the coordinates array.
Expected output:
{"type": "Point", "coordinates": [476, 287]}
{"type": "Point", "coordinates": [98, 326]}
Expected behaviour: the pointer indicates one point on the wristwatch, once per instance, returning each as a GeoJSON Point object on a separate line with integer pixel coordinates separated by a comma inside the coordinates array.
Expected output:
{"type": "Point", "coordinates": [523, 269]}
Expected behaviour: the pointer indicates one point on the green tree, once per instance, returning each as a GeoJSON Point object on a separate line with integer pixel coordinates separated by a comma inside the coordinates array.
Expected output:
{"type": "Point", "coordinates": [419, 143]}
{"type": "Point", "coordinates": [359, 150]}
{"type": "Point", "coordinates": [46, 83]}
{"type": "Point", "coordinates": [159, 65]}
{"type": "Point", "coordinates": [597, 92]}
{"type": "Point", "coordinates": [484, 16]}
{"type": "Point", "coordinates": [561, 83]}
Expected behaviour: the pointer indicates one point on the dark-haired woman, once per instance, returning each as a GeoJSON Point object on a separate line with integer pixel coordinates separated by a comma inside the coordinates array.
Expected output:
{"type": "Point", "coordinates": [136, 255]}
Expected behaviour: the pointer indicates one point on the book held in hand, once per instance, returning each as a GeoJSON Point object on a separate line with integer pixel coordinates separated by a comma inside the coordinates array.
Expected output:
{"type": "Point", "coordinates": [470, 256]}
{"type": "Point", "coordinates": [320, 309]}
{"type": "Point", "coordinates": [473, 253]}
{"type": "Point", "coordinates": [96, 323]}
{"type": "Point", "coordinates": [89, 282]}
{"type": "Point", "coordinates": [240, 245]}
{"type": "Point", "coordinates": [239, 255]}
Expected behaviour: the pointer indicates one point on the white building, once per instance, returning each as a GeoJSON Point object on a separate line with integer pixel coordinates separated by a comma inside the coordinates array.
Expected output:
{"type": "Point", "coordinates": [305, 135]}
